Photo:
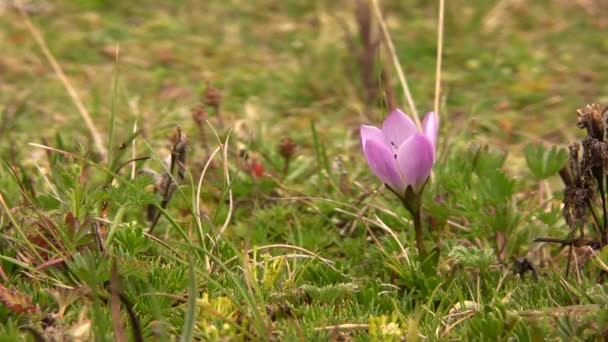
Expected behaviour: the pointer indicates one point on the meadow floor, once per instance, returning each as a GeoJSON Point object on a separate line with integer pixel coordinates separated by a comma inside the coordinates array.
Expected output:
{"type": "Point", "coordinates": [277, 229]}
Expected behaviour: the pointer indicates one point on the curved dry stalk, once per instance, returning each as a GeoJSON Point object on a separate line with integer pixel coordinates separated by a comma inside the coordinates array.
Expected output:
{"type": "Point", "coordinates": [449, 328]}
{"type": "Point", "coordinates": [134, 106]}
{"type": "Point", "coordinates": [49, 184]}
{"type": "Point", "coordinates": [439, 56]}
{"type": "Point", "coordinates": [344, 326]}
{"type": "Point", "coordinates": [354, 207]}
{"type": "Point", "coordinates": [198, 201]}
{"type": "Point", "coordinates": [558, 311]}
{"type": "Point", "coordinates": [133, 152]}
{"type": "Point", "coordinates": [224, 149]}
{"type": "Point", "coordinates": [364, 219]}
{"type": "Point", "coordinates": [599, 262]}
{"type": "Point", "coordinates": [200, 185]}
{"type": "Point", "coordinates": [295, 256]}
{"type": "Point", "coordinates": [388, 230]}
{"type": "Point", "coordinates": [285, 246]}
{"type": "Point", "coordinates": [395, 59]}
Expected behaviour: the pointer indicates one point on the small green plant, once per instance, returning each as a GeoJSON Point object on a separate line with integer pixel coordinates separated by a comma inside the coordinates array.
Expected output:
{"type": "Point", "coordinates": [543, 162]}
{"type": "Point", "coordinates": [474, 258]}
{"type": "Point", "coordinates": [384, 328]}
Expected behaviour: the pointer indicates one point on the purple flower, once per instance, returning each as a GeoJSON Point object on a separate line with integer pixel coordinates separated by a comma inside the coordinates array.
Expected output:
{"type": "Point", "coordinates": [399, 154]}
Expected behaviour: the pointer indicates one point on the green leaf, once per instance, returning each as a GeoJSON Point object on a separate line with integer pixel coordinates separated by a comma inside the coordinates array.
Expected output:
{"type": "Point", "coordinates": [544, 163]}
{"type": "Point", "coordinates": [496, 187]}
{"type": "Point", "coordinates": [487, 162]}
{"type": "Point", "coordinates": [330, 294]}
{"type": "Point", "coordinates": [189, 320]}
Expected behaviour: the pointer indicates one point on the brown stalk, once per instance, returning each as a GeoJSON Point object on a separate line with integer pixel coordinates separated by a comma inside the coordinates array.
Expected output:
{"type": "Point", "coordinates": [119, 330]}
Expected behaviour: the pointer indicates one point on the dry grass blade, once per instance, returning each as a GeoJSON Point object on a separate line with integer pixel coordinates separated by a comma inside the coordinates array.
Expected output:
{"type": "Point", "coordinates": [576, 310]}
{"type": "Point", "coordinates": [200, 185]}
{"type": "Point", "coordinates": [439, 56]}
{"type": "Point", "coordinates": [597, 259]}
{"type": "Point", "coordinates": [84, 113]}
{"type": "Point", "coordinates": [344, 326]}
{"type": "Point", "coordinates": [133, 152]}
{"type": "Point", "coordinates": [382, 225]}
{"type": "Point", "coordinates": [48, 148]}
{"type": "Point", "coordinates": [327, 262]}
{"type": "Point", "coordinates": [198, 201]}
{"type": "Point", "coordinates": [449, 328]}
{"type": "Point", "coordinates": [224, 149]}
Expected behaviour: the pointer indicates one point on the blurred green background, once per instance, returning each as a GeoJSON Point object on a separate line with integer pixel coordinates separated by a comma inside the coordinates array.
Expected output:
{"type": "Point", "coordinates": [519, 68]}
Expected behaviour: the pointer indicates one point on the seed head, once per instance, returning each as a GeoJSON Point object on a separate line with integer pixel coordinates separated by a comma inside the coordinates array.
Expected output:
{"type": "Point", "coordinates": [287, 147]}
{"type": "Point", "coordinates": [590, 118]}
{"type": "Point", "coordinates": [212, 97]}
{"type": "Point", "coordinates": [199, 114]}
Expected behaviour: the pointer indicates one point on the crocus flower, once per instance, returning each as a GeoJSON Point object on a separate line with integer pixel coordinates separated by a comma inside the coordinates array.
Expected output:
{"type": "Point", "coordinates": [399, 154]}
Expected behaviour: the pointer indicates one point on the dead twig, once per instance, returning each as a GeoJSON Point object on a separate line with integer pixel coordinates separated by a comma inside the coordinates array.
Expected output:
{"type": "Point", "coordinates": [166, 184]}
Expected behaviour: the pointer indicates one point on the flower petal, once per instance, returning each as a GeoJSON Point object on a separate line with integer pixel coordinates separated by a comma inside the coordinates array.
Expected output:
{"type": "Point", "coordinates": [382, 161]}
{"type": "Point", "coordinates": [415, 159]}
{"type": "Point", "coordinates": [397, 128]}
{"type": "Point", "coordinates": [430, 126]}
{"type": "Point", "coordinates": [370, 133]}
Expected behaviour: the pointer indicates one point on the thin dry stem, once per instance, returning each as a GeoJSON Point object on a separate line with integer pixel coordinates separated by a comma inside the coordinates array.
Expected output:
{"type": "Point", "coordinates": [224, 149]}
{"type": "Point", "coordinates": [559, 311]}
{"type": "Point", "coordinates": [55, 150]}
{"type": "Point", "coordinates": [134, 152]}
{"type": "Point", "coordinates": [439, 56]}
{"type": "Point", "coordinates": [395, 59]}
{"type": "Point", "coordinates": [198, 200]}
{"type": "Point", "coordinates": [84, 113]}
{"type": "Point", "coordinates": [598, 259]}
{"type": "Point", "coordinates": [449, 328]}
{"type": "Point", "coordinates": [49, 184]}
{"type": "Point", "coordinates": [388, 230]}
{"type": "Point", "coordinates": [134, 105]}
{"type": "Point", "coordinates": [458, 226]}
{"type": "Point", "coordinates": [344, 326]}
{"type": "Point", "coordinates": [200, 182]}
{"type": "Point", "coordinates": [285, 246]}
{"type": "Point", "coordinates": [119, 329]}
{"type": "Point", "coordinates": [354, 207]}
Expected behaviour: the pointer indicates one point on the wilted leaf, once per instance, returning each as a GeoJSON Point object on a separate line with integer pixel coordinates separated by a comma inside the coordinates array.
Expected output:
{"type": "Point", "coordinates": [16, 301]}
{"type": "Point", "coordinates": [81, 331]}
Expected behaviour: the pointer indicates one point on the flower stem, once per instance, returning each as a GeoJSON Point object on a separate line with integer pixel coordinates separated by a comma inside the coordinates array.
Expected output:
{"type": "Point", "coordinates": [411, 202]}
{"type": "Point", "coordinates": [286, 163]}
{"type": "Point", "coordinates": [418, 230]}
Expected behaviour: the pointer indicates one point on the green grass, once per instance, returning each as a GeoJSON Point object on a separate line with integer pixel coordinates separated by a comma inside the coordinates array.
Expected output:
{"type": "Point", "coordinates": [287, 256]}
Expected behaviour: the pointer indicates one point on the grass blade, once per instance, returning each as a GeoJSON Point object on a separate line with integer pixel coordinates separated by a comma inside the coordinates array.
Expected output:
{"type": "Point", "coordinates": [188, 329]}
